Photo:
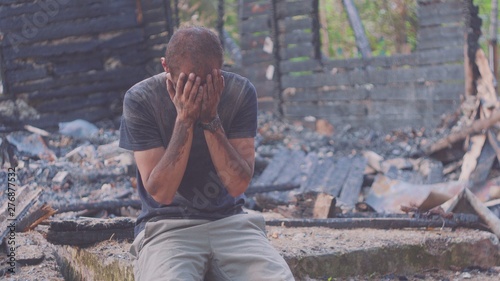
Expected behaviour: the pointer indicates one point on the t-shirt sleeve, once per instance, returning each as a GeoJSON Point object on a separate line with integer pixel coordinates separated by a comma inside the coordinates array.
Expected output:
{"type": "Point", "coordinates": [138, 128]}
{"type": "Point", "coordinates": [244, 124]}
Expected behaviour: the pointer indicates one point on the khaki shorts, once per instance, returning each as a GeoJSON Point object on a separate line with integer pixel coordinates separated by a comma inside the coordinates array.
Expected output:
{"type": "Point", "coordinates": [234, 248]}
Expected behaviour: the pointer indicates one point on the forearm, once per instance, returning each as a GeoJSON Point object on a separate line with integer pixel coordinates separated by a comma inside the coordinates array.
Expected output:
{"type": "Point", "coordinates": [166, 177]}
{"type": "Point", "coordinates": [234, 172]}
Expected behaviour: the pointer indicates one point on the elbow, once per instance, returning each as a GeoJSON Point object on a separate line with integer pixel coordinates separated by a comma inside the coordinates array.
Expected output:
{"type": "Point", "coordinates": [239, 188]}
{"type": "Point", "coordinates": [158, 196]}
{"type": "Point", "coordinates": [163, 199]}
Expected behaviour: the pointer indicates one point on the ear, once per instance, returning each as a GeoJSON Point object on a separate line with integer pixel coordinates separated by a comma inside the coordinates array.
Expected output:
{"type": "Point", "coordinates": [164, 64]}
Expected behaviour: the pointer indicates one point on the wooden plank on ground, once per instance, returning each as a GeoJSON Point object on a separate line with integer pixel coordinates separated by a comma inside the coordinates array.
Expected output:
{"type": "Point", "coordinates": [484, 164]}
{"type": "Point", "coordinates": [338, 176]}
{"type": "Point", "coordinates": [318, 174]}
{"type": "Point", "coordinates": [275, 167]}
{"type": "Point", "coordinates": [354, 181]}
{"type": "Point", "coordinates": [471, 156]}
{"type": "Point", "coordinates": [291, 173]}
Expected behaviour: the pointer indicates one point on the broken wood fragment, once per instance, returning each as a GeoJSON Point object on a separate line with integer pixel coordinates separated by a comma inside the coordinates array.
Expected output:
{"type": "Point", "coordinates": [61, 178]}
{"type": "Point", "coordinates": [483, 212]}
{"type": "Point", "coordinates": [36, 130]}
{"type": "Point", "coordinates": [34, 218]}
{"type": "Point", "coordinates": [484, 164]}
{"type": "Point", "coordinates": [488, 95]}
{"type": "Point", "coordinates": [26, 199]}
{"type": "Point", "coordinates": [253, 189]}
{"type": "Point", "coordinates": [310, 205]}
{"type": "Point", "coordinates": [476, 127]}
{"type": "Point", "coordinates": [108, 204]}
{"type": "Point", "coordinates": [374, 160]}
{"type": "Point", "coordinates": [324, 206]}
{"type": "Point", "coordinates": [471, 156]}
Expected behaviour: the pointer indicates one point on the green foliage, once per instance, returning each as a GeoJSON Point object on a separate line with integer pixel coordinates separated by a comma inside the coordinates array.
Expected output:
{"type": "Point", "coordinates": [485, 15]}
{"type": "Point", "coordinates": [390, 25]}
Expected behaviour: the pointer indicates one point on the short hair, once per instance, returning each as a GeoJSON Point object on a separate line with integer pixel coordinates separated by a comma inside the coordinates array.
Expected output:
{"type": "Point", "coordinates": [199, 45]}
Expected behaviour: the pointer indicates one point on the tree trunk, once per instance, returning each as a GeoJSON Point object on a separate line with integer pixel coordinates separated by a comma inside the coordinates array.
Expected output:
{"type": "Point", "coordinates": [357, 26]}
{"type": "Point", "coordinates": [493, 38]}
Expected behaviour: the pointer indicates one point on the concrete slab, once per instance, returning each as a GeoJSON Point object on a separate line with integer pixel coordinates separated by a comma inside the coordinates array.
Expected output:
{"type": "Point", "coordinates": [323, 253]}
{"type": "Point", "coordinates": [318, 253]}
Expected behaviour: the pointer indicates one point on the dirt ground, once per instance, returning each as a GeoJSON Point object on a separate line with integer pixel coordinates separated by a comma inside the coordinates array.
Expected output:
{"type": "Point", "coordinates": [291, 240]}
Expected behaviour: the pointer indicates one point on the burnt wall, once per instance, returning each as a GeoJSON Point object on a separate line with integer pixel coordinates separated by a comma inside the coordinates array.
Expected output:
{"type": "Point", "coordinates": [75, 59]}
{"type": "Point", "coordinates": [379, 92]}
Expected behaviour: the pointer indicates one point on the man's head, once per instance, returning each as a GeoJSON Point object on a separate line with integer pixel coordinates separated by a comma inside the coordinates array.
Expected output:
{"type": "Point", "coordinates": [193, 49]}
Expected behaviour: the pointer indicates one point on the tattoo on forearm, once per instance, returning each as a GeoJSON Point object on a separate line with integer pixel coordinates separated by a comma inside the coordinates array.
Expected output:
{"type": "Point", "coordinates": [234, 162]}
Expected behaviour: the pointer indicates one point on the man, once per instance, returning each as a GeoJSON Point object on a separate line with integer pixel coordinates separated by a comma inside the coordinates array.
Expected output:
{"type": "Point", "coordinates": [192, 131]}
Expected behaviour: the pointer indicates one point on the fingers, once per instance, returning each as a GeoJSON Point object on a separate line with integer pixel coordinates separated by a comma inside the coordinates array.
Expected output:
{"type": "Point", "coordinates": [216, 78]}
{"type": "Point", "coordinates": [222, 82]}
{"type": "Point", "coordinates": [210, 84]}
{"type": "Point", "coordinates": [205, 95]}
{"type": "Point", "coordinates": [188, 86]}
{"type": "Point", "coordinates": [201, 94]}
{"type": "Point", "coordinates": [170, 86]}
{"type": "Point", "coordinates": [195, 89]}
{"type": "Point", "coordinates": [180, 83]}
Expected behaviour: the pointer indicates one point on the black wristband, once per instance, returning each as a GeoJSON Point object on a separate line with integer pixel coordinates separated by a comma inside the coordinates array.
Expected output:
{"type": "Point", "coordinates": [213, 125]}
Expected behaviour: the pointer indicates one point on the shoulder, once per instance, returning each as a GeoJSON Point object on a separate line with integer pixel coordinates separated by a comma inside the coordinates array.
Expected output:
{"type": "Point", "coordinates": [146, 90]}
{"type": "Point", "coordinates": [236, 84]}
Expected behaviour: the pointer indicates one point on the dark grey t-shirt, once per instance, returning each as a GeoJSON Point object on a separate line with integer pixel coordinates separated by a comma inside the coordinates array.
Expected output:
{"type": "Point", "coordinates": [148, 122]}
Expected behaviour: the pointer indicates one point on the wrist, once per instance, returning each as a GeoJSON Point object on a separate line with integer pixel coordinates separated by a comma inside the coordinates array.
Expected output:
{"type": "Point", "coordinates": [209, 119]}
{"type": "Point", "coordinates": [213, 125]}
{"type": "Point", "coordinates": [184, 121]}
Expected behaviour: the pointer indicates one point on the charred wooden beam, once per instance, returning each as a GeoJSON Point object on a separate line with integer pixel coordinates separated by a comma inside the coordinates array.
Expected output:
{"type": "Point", "coordinates": [103, 205]}
{"type": "Point", "coordinates": [476, 127]}
{"type": "Point", "coordinates": [376, 223]}
{"type": "Point", "coordinates": [84, 232]}
{"type": "Point", "coordinates": [262, 188]}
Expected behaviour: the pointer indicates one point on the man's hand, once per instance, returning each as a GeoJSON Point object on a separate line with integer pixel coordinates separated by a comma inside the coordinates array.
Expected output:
{"type": "Point", "coordinates": [211, 96]}
{"type": "Point", "coordinates": [186, 96]}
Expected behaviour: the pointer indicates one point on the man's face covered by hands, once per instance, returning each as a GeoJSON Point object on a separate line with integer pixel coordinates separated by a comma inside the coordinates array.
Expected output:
{"type": "Point", "coordinates": [198, 91]}
{"type": "Point", "coordinates": [192, 61]}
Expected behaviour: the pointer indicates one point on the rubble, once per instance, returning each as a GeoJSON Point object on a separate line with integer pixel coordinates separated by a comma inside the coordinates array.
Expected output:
{"type": "Point", "coordinates": [307, 172]}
